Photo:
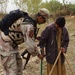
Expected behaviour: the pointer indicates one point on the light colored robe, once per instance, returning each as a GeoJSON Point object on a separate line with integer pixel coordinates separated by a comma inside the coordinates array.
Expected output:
{"type": "Point", "coordinates": [59, 68]}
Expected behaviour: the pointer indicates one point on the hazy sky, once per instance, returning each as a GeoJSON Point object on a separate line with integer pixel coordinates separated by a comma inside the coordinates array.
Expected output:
{"type": "Point", "coordinates": [72, 1]}
{"type": "Point", "coordinates": [12, 6]}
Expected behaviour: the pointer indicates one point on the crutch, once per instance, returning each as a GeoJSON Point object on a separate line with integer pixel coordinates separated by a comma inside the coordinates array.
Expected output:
{"type": "Point", "coordinates": [68, 63]}
{"type": "Point", "coordinates": [41, 64]}
{"type": "Point", "coordinates": [55, 63]}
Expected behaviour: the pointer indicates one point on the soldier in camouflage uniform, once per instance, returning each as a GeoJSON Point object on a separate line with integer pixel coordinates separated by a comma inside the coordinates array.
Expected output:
{"type": "Point", "coordinates": [41, 17]}
{"type": "Point", "coordinates": [10, 57]}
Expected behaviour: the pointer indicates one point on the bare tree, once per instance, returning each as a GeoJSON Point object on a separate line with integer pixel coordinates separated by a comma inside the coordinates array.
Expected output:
{"type": "Point", "coordinates": [3, 6]}
{"type": "Point", "coordinates": [28, 5]}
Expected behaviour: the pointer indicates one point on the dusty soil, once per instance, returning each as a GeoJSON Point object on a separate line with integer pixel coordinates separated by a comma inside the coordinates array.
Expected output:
{"type": "Point", "coordinates": [33, 67]}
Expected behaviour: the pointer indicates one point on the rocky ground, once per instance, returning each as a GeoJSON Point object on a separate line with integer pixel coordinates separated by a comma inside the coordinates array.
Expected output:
{"type": "Point", "coordinates": [33, 67]}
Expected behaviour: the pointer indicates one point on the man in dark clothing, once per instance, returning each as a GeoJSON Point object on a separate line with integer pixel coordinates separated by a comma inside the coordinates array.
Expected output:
{"type": "Point", "coordinates": [55, 38]}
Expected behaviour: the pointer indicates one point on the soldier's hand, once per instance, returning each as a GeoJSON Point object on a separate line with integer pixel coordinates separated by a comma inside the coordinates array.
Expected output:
{"type": "Point", "coordinates": [38, 38]}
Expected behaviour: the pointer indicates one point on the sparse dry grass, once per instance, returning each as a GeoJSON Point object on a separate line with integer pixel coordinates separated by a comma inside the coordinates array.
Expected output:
{"type": "Point", "coordinates": [33, 66]}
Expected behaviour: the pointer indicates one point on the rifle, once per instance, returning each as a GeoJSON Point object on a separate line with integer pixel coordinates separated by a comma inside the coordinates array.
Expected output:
{"type": "Point", "coordinates": [26, 58]}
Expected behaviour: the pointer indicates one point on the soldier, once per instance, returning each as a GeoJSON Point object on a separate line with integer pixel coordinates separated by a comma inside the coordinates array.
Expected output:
{"type": "Point", "coordinates": [10, 57]}
{"type": "Point", "coordinates": [41, 17]}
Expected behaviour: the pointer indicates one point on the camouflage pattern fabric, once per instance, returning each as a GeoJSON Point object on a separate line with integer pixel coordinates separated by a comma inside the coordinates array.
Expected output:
{"type": "Point", "coordinates": [10, 59]}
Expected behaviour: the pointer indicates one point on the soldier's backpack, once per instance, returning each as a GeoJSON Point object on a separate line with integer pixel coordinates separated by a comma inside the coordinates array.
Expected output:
{"type": "Point", "coordinates": [9, 19]}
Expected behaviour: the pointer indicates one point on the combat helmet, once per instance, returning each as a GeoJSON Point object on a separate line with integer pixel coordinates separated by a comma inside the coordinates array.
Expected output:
{"type": "Point", "coordinates": [45, 13]}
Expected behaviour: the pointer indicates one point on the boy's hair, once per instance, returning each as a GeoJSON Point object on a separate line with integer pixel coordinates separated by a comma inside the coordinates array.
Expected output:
{"type": "Point", "coordinates": [60, 21]}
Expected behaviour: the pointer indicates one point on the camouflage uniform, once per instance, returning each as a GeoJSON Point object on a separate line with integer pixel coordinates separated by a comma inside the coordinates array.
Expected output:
{"type": "Point", "coordinates": [11, 66]}
{"type": "Point", "coordinates": [10, 57]}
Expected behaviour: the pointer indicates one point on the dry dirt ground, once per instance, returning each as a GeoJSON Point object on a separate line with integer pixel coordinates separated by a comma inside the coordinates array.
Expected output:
{"type": "Point", "coordinates": [33, 67]}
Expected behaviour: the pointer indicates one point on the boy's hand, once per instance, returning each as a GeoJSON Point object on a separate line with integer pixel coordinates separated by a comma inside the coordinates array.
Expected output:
{"type": "Point", "coordinates": [40, 56]}
{"type": "Point", "coordinates": [63, 50]}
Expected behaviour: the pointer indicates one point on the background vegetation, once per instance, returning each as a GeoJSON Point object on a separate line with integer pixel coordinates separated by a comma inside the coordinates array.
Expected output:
{"type": "Point", "coordinates": [32, 6]}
